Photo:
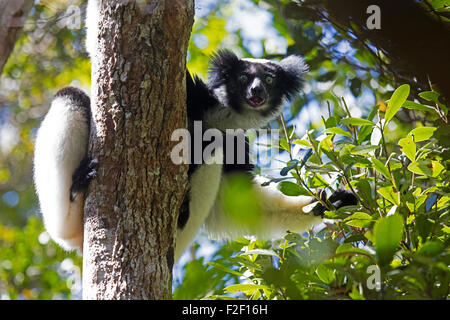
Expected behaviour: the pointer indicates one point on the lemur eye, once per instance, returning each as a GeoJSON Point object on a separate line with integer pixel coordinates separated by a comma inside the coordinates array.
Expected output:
{"type": "Point", "coordinates": [269, 80]}
{"type": "Point", "coordinates": [243, 78]}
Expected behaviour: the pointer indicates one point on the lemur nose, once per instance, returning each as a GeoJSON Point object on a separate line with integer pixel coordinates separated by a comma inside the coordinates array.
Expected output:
{"type": "Point", "coordinates": [257, 88]}
{"type": "Point", "coordinates": [257, 91]}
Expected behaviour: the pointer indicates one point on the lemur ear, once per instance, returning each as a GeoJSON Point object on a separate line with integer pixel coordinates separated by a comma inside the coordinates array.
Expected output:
{"type": "Point", "coordinates": [222, 64]}
{"type": "Point", "coordinates": [294, 69]}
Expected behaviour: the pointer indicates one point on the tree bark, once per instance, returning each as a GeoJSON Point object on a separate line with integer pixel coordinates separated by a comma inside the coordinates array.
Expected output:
{"type": "Point", "coordinates": [138, 99]}
{"type": "Point", "coordinates": [13, 14]}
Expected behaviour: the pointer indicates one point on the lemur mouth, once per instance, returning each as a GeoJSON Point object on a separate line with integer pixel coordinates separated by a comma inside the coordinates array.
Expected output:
{"type": "Point", "coordinates": [256, 101]}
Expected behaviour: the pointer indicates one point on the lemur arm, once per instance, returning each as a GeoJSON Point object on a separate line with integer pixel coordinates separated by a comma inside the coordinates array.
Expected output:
{"type": "Point", "coordinates": [62, 170]}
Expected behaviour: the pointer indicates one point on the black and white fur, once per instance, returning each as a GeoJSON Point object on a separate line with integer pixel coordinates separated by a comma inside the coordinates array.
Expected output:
{"type": "Point", "coordinates": [239, 94]}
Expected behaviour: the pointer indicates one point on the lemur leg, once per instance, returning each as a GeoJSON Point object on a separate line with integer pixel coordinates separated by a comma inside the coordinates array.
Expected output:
{"type": "Point", "coordinates": [61, 169]}
{"type": "Point", "coordinates": [203, 188]}
{"type": "Point", "coordinates": [278, 214]}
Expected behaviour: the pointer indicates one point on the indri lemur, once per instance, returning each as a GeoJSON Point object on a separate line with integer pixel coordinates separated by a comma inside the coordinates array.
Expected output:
{"type": "Point", "coordinates": [238, 94]}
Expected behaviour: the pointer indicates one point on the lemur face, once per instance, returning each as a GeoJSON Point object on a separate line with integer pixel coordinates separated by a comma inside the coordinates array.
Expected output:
{"type": "Point", "coordinates": [255, 88]}
{"type": "Point", "coordinates": [254, 84]}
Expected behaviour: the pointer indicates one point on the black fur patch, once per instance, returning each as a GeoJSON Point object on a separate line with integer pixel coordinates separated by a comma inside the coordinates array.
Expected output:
{"type": "Point", "coordinates": [237, 165]}
{"type": "Point", "coordinates": [224, 65]}
{"type": "Point", "coordinates": [199, 98]}
{"type": "Point", "coordinates": [183, 216]}
{"type": "Point", "coordinates": [340, 198]}
{"type": "Point", "coordinates": [83, 175]}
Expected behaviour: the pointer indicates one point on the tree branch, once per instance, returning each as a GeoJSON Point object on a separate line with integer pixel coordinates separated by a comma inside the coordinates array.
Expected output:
{"type": "Point", "coordinates": [13, 14]}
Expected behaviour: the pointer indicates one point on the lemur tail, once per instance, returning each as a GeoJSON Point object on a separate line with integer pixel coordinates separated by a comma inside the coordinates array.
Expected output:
{"type": "Point", "coordinates": [60, 148]}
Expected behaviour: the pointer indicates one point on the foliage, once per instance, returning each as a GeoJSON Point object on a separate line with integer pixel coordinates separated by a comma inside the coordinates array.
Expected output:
{"type": "Point", "coordinates": [400, 228]}
{"type": "Point", "coordinates": [46, 57]}
{"type": "Point", "coordinates": [32, 267]}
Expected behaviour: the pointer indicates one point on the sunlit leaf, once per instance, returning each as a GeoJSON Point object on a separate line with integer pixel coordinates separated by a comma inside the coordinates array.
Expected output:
{"type": "Point", "coordinates": [426, 167]}
{"type": "Point", "coordinates": [398, 98]}
{"type": "Point", "coordinates": [388, 232]}
{"type": "Point", "coordinates": [325, 273]}
{"type": "Point", "coordinates": [408, 147]}
{"type": "Point", "coordinates": [359, 219]}
{"type": "Point", "coordinates": [356, 122]}
{"type": "Point", "coordinates": [417, 106]}
{"type": "Point", "coordinates": [245, 287]}
{"type": "Point", "coordinates": [422, 133]}
{"type": "Point", "coordinates": [362, 150]}
{"type": "Point", "coordinates": [389, 194]}
{"type": "Point", "coordinates": [381, 168]}
{"type": "Point", "coordinates": [337, 130]}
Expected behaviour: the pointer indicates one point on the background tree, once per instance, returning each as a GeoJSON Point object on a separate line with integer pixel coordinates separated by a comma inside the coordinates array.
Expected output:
{"type": "Point", "coordinates": [12, 18]}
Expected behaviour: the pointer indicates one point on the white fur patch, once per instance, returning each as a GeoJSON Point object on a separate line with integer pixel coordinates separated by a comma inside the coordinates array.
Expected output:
{"type": "Point", "coordinates": [253, 60]}
{"type": "Point", "coordinates": [204, 185]}
{"type": "Point", "coordinates": [61, 144]}
{"type": "Point", "coordinates": [280, 213]}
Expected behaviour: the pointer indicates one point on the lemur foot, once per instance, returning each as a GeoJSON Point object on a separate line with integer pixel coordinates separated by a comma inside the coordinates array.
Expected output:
{"type": "Point", "coordinates": [83, 175]}
{"type": "Point", "coordinates": [340, 198]}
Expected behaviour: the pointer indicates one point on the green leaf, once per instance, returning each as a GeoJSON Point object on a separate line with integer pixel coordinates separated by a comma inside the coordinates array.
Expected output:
{"type": "Point", "coordinates": [326, 144]}
{"type": "Point", "coordinates": [417, 106]}
{"type": "Point", "coordinates": [355, 238]}
{"type": "Point", "coordinates": [245, 287]}
{"type": "Point", "coordinates": [423, 226]}
{"type": "Point", "coordinates": [302, 143]}
{"type": "Point", "coordinates": [398, 98]}
{"type": "Point", "coordinates": [263, 252]}
{"type": "Point", "coordinates": [361, 150]}
{"type": "Point", "coordinates": [381, 168]}
{"type": "Point", "coordinates": [284, 144]}
{"type": "Point", "coordinates": [429, 96]}
{"type": "Point", "coordinates": [422, 133]}
{"type": "Point", "coordinates": [408, 147]}
{"type": "Point", "coordinates": [360, 220]}
{"type": "Point", "coordinates": [356, 122]}
{"type": "Point", "coordinates": [325, 273]}
{"type": "Point", "coordinates": [355, 294]}
{"type": "Point", "coordinates": [388, 232]}
{"type": "Point", "coordinates": [364, 132]}
{"type": "Point", "coordinates": [365, 191]}
{"type": "Point", "coordinates": [292, 189]}
{"type": "Point", "coordinates": [224, 269]}
{"type": "Point", "coordinates": [337, 130]}
{"type": "Point", "coordinates": [426, 167]}
{"type": "Point", "coordinates": [324, 168]}
{"type": "Point", "coordinates": [431, 248]}
{"type": "Point", "coordinates": [347, 247]}
{"type": "Point", "coordinates": [389, 194]}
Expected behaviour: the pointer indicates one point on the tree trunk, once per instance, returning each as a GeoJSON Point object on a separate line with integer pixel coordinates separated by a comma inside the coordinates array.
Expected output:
{"type": "Point", "coordinates": [13, 14]}
{"type": "Point", "coordinates": [138, 99]}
